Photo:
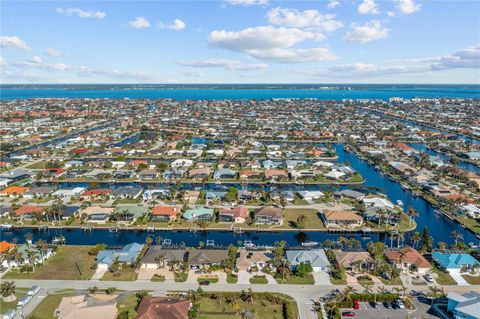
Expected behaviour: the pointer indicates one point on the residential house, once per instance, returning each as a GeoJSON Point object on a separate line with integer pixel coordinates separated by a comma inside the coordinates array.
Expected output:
{"type": "Point", "coordinates": [354, 260]}
{"type": "Point", "coordinates": [268, 215]}
{"type": "Point", "coordinates": [464, 306]}
{"type": "Point", "coordinates": [236, 215]}
{"type": "Point", "coordinates": [162, 213]}
{"type": "Point", "coordinates": [334, 218]}
{"type": "Point", "coordinates": [125, 192]}
{"type": "Point", "coordinates": [453, 262]}
{"type": "Point", "coordinates": [407, 256]}
{"type": "Point", "coordinates": [198, 214]}
{"type": "Point", "coordinates": [29, 211]}
{"type": "Point", "coordinates": [315, 257]}
{"type": "Point", "coordinates": [199, 258]}
{"type": "Point", "coordinates": [28, 253]}
{"type": "Point", "coordinates": [97, 214]}
{"type": "Point", "coordinates": [163, 307]}
{"type": "Point", "coordinates": [157, 255]}
{"type": "Point", "coordinates": [247, 259]}
{"type": "Point", "coordinates": [224, 173]}
{"type": "Point", "coordinates": [127, 255]}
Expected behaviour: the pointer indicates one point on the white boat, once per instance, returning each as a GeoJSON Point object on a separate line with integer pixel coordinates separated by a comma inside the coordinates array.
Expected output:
{"type": "Point", "coordinates": [150, 229]}
{"type": "Point", "coordinates": [58, 240]}
{"type": "Point", "coordinates": [310, 244]}
{"type": "Point", "coordinates": [248, 244]}
{"type": "Point", "coordinates": [166, 242]}
{"type": "Point", "coordinates": [6, 226]}
{"type": "Point", "coordinates": [399, 203]}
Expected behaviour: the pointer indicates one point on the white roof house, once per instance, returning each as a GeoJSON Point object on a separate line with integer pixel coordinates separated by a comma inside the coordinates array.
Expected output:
{"type": "Point", "coordinates": [378, 202]}
{"type": "Point", "coordinates": [69, 192]}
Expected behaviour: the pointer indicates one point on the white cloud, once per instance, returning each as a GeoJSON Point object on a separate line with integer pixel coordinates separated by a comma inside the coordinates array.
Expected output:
{"type": "Point", "coordinates": [313, 19]}
{"type": "Point", "coordinates": [139, 23]}
{"type": "Point", "coordinates": [35, 60]}
{"type": "Point", "coordinates": [271, 43]}
{"type": "Point", "coordinates": [223, 63]}
{"type": "Point", "coordinates": [54, 52]}
{"type": "Point", "coordinates": [193, 73]}
{"type": "Point", "coordinates": [368, 7]}
{"type": "Point", "coordinates": [246, 2]}
{"type": "Point", "coordinates": [407, 6]}
{"type": "Point", "coordinates": [177, 25]}
{"type": "Point", "coordinates": [14, 42]}
{"type": "Point", "coordinates": [333, 4]}
{"type": "Point", "coordinates": [87, 14]}
{"type": "Point", "coordinates": [370, 31]}
{"type": "Point", "coordinates": [390, 13]}
{"type": "Point", "coordinates": [466, 58]}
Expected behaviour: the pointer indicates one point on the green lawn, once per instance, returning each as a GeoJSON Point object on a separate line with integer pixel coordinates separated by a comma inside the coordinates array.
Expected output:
{"type": "Point", "coordinates": [472, 280]}
{"type": "Point", "coordinates": [217, 307]}
{"type": "Point", "coordinates": [342, 281]}
{"type": "Point", "coordinates": [68, 263]}
{"type": "Point", "coordinates": [127, 273]}
{"type": "Point", "coordinates": [45, 310]}
{"type": "Point", "coordinates": [312, 219]}
{"type": "Point", "coordinates": [210, 279]}
{"type": "Point", "coordinates": [297, 280]}
{"type": "Point", "coordinates": [181, 277]}
{"type": "Point", "coordinates": [4, 306]}
{"type": "Point", "coordinates": [126, 303]}
{"type": "Point", "coordinates": [258, 280]}
{"type": "Point", "coordinates": [395, 282]}
{"type": "Point", "coordinates": [158, 278]}
{"type": "Point", "coordinates": [443, 278]}
{"type": "Point", "coordinates": [232, 278]}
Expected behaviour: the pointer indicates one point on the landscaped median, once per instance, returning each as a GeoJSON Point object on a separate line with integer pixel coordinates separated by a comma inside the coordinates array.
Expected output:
{"type": "Point", "coordinates": [259, 279]}
{"type": "Point", "coordinates": [207, 278]}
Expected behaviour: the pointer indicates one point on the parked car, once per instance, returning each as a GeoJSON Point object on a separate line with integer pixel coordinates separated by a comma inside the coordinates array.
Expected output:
{"type": "Point", "coordinates": [356, 305]}
{"type": "Point", "coordinates": [373, 304]}
{"type": "Point", "coordinates": [400, 304]}
{"type": "Point", "coordinates": [348, 314]}
{"type": "Point", "coordinates": [204, 283]}
{"type": "Point", "coordinates": [387, 305]}
{"type": "Point", "coordinates": [428, 278]}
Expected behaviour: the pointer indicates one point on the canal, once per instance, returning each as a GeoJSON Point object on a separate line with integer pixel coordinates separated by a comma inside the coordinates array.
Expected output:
{"type": "Point", "coordinates": [440, 227]}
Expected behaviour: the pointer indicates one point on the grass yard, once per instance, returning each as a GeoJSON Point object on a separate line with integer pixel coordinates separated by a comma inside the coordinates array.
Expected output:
{"type": "Point", "coordinates": [472, 280]}
{"type": "Point", "coordinates": [297, 280]}
{"type": "Point", "coordinates": [68, 263]}
{"type": "Point", "coordinates": [181, 277]}
{"type": "Point", "coordinates": [261, 280]}
{"type": "Point", "coordinates": [127, 273]}
{"type": "Point", "coordinates": [210, 279]}
{"type": "Point", "coordinates": [128, 303]}
{"type": "Point", "coordinates": [158, 278]}
{"type": "Point", "coordinates": [232, 278]}
{"type": "Point", "coordinates": [342, 281]}
{"type": "Point", "coordinates": [4, 306]}
{"type": "Point", "coordinates": [443, 278]}
{"type": "Point", "coordinates": [46, 308]}
{"type": "Point", "coordinates": [217, 308]}
{"type": "Point", "coordinates": [395, 282]}
{"type": "Point", "coordinates": [312, 221]}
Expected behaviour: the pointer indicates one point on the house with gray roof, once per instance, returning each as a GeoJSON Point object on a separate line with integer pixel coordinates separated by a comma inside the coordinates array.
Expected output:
{"type": "Point", "coordinates": [465, 306]}
{"type": "Point", "coordinates": [127, 192]}
{"type": "Point", "coordinates": [157, 255]}
{"type": "Point", "coordinates": [127, 255]}
{"type": "Point", "coordinates": [315, 257]}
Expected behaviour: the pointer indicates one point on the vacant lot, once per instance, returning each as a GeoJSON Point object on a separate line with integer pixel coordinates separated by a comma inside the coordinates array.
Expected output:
{"type": "Point", "coordinates": [311, 220]}
{"type": "Point", "coordinates": [68, 263]}
{"type": "Point", "coordinates": [46, 308]}
{"type": "Point", "coordinates": [127, 273]}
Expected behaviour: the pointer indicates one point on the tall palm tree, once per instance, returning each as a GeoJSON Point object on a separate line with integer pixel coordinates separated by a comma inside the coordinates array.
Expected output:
{"type": "Point", "coordinates": [413, 214]}
{"type": "Point", "coordinates": [7, 290]}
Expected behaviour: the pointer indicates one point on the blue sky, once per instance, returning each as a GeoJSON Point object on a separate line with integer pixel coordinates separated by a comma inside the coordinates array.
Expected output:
{"type": "Point", "coordinates": [240, 41]}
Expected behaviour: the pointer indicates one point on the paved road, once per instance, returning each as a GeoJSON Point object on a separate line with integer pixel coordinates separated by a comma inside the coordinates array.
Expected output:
{"type": "Point", "coordinates": [303, 295]}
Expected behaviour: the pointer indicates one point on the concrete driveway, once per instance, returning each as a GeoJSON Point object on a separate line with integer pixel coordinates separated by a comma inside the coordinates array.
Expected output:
{"type": "Point", "coordinates": [244, 277]}
{"type": "Point", "coordinates": [321, 278]}
{"type": "Point", "coordinates": [455, 273]}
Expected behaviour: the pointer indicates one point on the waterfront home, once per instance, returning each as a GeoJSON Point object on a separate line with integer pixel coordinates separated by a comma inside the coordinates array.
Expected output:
{"type": "Point", "coordinates": [127, 255]}
{"type": "Point", "coordinates": [268, 215]}
{"type": "Point", "coordinates": [69, 192]}
{"type": "Point", "coordinates": [150, 194]}
{"type": "Point", "coordinates": [128, 212]}
{"type": "Point", "coordinates": [127, 192]}
{"type": "Point", "coordinates": [179, 163]}
{"type": "Point", "coordinates": [28, 254]}
{"type": "Point", "coordinates": [158, 256]}
{"type": "Point", "coordinates": [198, 214]}
{"type": "Point", "coordinates": [268, 164]}
{"type": "Point", "coordinates": [334, 174]}
{"type": "Point", "coordinates": [17, 174]}
{"type": "Point", "coordinates": [349, 219]}
{"type": "Point", "coordinates": [13, 191]}
{"type": "Point", "coordinates": [304, 173]}
{"type": "Point", "coordinates": [453, 262]}
{"type": "Point", "coordinates": [199, 258]}
{"type": "Point", "coordinates": [275, 174]}
{"type": "Point", "coordinates": [163, 307]}
{"type": "Point", "coordinates": [97, 214]}
{"type": "Point", "coordinates": [68, 211]}
{"type": "Point", "coordinates": [351, 194]}
{"type": "Point", "coordinates": [147, 174]}
{"type": "Point", "coordinates": [29, 211]}
{"type": "Point", "coordinates": [161, 213]}
{"type": "Point", "coordinates": [378, 202]}
{"type": "Point", "coordinates": [315, 257]}
{"type": "Point", "coordinates": [94, 194]}
{"type": "Point", "coordinates": [200, 173]}
{"type": "Point", "coordinates": [310, 195]}
{"type": "Point", "coordinates": [5, 210]}
{"type": "Point", "coordinates": [73, 307]}
{"type": "Point", "coordinates": [191, 196]}
{"type": "Point", "coordinates": [5, 247]}
{"type": "Point", "coordinates": [464, 306]}
{"type": "Point", "coordinates": [73, 163]}
{"type": "Point", "coordinates": [41, 191]}
{"type": "Point", "coordinates": [247, 259]}
{"type": "Point", "coordinates": [236, 215]}
{"type": "Point", "coordinates": [224, 173]}
{"type": "Point", "coordinates": [408, 258]}
{"type": "Point", "coordinates": [124, 174]}
{"type": "Point", "coordinates": [248, 174]}
{"type": "Point", "coordinates": [354, 260]}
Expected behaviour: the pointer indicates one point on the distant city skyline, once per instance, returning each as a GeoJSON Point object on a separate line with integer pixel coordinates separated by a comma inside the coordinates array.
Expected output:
{"type": "Point", "coordinates": [240, 41]}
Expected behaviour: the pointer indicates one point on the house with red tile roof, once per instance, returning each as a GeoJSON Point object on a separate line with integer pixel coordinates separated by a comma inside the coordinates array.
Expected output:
{"type": "Point", "coordinates": [407, 256]}
{"type": "Point", "coordinates": [236, 215]}
{"type": "Point", "coordinates": [165, 213]}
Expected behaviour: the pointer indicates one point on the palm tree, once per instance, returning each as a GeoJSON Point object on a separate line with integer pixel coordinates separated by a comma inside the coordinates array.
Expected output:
{"type": "Point", "coordinates": [416, 237]}
{"type": "Point", "coordinates": [402, 256]}
{"type": "Point", "coordinates": [160, 260]}
{"type": "Point", "coordinates": [456, 236]}
{"type": "Point", "coordinates": [413, 214]}
{"type": "Point", "coordinates": [434, 292]}
{"type": "Point", "coordinates": [400, 237]}
{"type": "Point", "coordinates": [7, 291]}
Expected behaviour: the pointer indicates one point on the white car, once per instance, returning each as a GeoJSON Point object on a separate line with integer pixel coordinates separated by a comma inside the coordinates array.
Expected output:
{"type": "Point", "coordinates": [400, 304]}
{"type": "Point", "coordinates": [428, 278]}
